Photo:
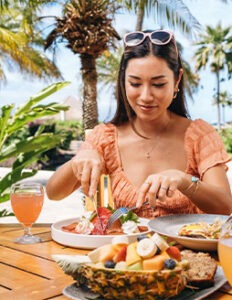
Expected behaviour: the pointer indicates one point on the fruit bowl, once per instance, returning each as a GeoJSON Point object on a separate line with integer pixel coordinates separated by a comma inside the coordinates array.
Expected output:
{"type": "Point", "coordinates": [128, 284]}
{"type": "Point", "coordinates": [145, 269]}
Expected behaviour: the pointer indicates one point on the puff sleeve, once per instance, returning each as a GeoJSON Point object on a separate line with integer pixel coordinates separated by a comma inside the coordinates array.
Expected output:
{"type": "Point", "coordinates": [205, 148]}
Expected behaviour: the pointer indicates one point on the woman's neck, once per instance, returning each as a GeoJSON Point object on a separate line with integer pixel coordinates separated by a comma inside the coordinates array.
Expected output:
{"type": "Point", "coordinates": [151, 129]}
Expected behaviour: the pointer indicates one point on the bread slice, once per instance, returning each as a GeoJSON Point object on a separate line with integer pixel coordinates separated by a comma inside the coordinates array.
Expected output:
{"type": "Point", "coordinates": [202, 268]}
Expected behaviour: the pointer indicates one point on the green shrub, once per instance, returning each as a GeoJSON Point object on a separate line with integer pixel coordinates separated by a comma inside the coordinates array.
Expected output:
{"type": "Point", "coordinates": [226, 135]}
{"type": "Point", "coordinates": [72, 130]}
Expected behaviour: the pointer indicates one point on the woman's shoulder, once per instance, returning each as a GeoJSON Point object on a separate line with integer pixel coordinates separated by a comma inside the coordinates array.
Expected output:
{"type": "Point", "coordinates": [200, 128]}
{"type": "Point", "coordinates": [103, 129]}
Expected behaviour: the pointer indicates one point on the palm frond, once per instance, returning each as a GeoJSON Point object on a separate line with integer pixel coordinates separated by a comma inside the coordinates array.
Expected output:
{"type": "Point", "coordinates": [176, 14]}
{"type": "Point", "coordinates": [21, 41]}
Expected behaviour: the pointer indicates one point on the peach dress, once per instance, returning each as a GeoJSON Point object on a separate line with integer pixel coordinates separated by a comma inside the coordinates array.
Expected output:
{"type": "Point", "coordinates": [204, 150]}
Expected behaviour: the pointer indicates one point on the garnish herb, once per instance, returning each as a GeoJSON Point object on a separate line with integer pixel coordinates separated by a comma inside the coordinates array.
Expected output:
{"type": "Point", "coordinates": [130, 216]}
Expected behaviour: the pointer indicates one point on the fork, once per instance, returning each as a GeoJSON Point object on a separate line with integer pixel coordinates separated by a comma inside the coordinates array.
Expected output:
{"type": "Point", "coordinates": [120, 212]}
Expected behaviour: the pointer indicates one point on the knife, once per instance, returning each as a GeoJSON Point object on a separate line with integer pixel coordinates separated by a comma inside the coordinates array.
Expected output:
{"type": "Point", "coordinates": [95, 208]}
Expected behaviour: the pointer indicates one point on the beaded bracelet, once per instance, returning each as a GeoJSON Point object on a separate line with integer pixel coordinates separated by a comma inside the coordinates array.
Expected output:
{"type": "Point", "coordinates": [194, 182]}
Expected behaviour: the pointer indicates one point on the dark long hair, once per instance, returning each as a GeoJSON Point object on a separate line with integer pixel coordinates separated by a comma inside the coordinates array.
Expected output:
{"type": "Point", "coordinates": [167, 52]}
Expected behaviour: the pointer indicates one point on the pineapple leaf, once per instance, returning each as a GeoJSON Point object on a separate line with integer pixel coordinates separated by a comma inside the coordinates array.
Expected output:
{"type": "Point", "coordinates": [70, 263]}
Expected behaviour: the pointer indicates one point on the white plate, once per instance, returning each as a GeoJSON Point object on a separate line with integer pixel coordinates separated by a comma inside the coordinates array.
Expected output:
{"type": "Point", "coordinates": [75, 293]}
{"type": "Point", "coordinates": [85, 241]}
{"type": "Point", "coordinates": [170, 225]}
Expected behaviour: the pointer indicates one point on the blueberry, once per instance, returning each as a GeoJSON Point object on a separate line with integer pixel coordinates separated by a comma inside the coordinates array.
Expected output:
{"type": "Point", "coordinates": [141, 237]}
{"type": "Point", "coordinates": [109, 264]}
{"type": "Point", "coordinates": [169, 264]}
{"type": "Point", "coordinates": [158, 250]}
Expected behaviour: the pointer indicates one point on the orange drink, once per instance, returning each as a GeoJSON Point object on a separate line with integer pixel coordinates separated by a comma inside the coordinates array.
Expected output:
{"type": "Point", "coordinates": [27, 207]}
{"type": "Point", "coordinates": [27, 201]}
{"type": "Point", "coordinates": [225, 254]}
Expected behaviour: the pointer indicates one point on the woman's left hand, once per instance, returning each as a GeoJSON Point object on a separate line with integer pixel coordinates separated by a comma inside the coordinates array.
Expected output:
{"type": "Point", "coordinates": [160, 186]}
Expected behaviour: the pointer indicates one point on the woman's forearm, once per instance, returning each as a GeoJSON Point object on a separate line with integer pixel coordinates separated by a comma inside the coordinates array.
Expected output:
{"type": "Point", "coordinates": [62, 183]}
{"type": "Point", "coordinates": [210, 198]}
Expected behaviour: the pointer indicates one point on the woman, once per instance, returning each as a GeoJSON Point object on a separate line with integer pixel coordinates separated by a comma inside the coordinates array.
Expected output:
{"type": "Point", "coordinates": [151, 149]}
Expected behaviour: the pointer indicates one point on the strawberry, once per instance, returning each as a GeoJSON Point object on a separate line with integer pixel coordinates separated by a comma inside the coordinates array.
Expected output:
{"type": "Point", "coordinates": [174, 252]}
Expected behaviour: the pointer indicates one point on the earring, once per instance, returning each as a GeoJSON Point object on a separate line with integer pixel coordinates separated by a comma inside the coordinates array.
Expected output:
{"type": "Point", "coordinates": [175, 93]}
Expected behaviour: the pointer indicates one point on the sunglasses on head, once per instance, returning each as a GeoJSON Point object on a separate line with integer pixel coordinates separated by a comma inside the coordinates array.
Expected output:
{"type": "Point", "coordinates": [157, 37]}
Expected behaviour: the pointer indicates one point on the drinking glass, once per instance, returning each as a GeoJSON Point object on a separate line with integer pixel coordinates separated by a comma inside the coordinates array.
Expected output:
{"type": "Point", "coordinates": [27, 201]}
{"type": "Point", "coordinates": [225, 248]}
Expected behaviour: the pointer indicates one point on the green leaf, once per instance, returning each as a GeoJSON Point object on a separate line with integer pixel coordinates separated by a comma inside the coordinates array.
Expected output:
{"type": "Point", "coordinates": [5, 213]}
{"type": "Point", "coordinates": [5, 115]}
{"type": "Point", "coordinates": [130, 216]}
{"type": "Point", "coordinates": [43, 142]}
{"type": "Point", "coordinates": [40, 96]}
{"type": "Point", "coordinates": [12, 177]}
{"type": "Point", "coordinates": [4, 198]}
{"type": "Point", "coordinates": [35, 113]}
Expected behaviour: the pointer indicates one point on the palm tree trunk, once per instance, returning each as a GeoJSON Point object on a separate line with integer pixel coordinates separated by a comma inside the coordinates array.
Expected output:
{"type": "Point", "coordinates": [218, 101]}
{"type": "Point", "coordinates": [89, 105]}
{"type": "Point", "coordinates": [223, 114]}
{"type": "Point", "coordinates": [140, 16]}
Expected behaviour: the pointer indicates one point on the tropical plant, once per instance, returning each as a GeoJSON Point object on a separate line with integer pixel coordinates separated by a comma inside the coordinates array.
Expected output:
{"type": "Point", "coordinates": [107, 70]}
{"type": "Point", "coordinates": [27, 150]}
{"type": "Point", "coordinates": [226, 135]}
{"type": "Point", "coordinates": [21, 41]}
{"type": "Point", "coordinates": [191, 77]}
{"type": "Point", "coordinates": [225, 99]}
{"type": "Point", "coordinates": [87, 29]}
{"type": "Point", "coordinates": [175, 14]}
{"type": "Point", "coordinates": [215, 50]}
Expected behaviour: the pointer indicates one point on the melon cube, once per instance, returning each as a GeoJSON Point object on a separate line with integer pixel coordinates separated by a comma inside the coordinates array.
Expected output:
{"type": "Point", "coordinates": [155, 263]}
{"type": "Point", "coordinates": [131, 255]}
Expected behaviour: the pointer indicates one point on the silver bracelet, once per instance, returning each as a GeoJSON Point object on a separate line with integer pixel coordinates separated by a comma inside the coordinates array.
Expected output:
{"type": "Point", "coordinates": [194, 182]}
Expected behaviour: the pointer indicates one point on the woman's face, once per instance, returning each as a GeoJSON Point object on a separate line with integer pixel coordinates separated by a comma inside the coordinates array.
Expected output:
{"type": "Point", "coordinates": [150, 86]}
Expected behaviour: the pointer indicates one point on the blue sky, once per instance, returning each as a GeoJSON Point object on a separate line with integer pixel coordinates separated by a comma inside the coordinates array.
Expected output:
{"type": "Point", "coordinates": [18, 88]}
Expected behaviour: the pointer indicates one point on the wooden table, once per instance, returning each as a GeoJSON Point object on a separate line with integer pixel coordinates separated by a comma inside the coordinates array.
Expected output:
{"type": "Point", "coordinates": [28, 272]}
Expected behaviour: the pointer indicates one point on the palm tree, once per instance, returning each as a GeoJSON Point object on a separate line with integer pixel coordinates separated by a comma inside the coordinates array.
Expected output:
{"type": "Point", "coordinates": [172, 13]}
{"type": "Point", "coordinates": [86, 27]}
{"type": "Point", "coordinates": [32, 3]}
{"type": "Point", "coordinates": [191, 78]}
{"type": "Point", "coordinates": [21, 43]}
{"type": "Point", "coordinates": [225, 100]}
{"type": "Point", "coordinates": [107, 69]}
{"type": "Point", "coordinates": [215, 50]}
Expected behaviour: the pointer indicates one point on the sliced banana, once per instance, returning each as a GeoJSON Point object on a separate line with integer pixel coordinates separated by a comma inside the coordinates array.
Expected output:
{"type": "Point", "coordinates": [120, 240]}
{"type": "Point", "coordinates": [159, 241]}
{"type": "Point", "coordinates": [146, 248]}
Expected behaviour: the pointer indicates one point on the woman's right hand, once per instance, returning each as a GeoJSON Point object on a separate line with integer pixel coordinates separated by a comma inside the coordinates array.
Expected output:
{"type": "Point", "coordinates": [87, 166]}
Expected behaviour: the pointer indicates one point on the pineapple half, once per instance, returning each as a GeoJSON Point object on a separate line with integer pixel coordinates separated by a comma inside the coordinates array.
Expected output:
{"type": "Point", "coordinates": [123, 284]}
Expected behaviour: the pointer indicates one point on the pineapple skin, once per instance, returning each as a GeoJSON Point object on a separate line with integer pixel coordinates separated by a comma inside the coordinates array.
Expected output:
{"type": "Point", "coordinates": [140, 285]}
